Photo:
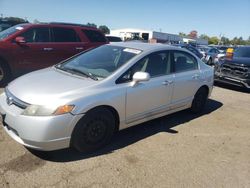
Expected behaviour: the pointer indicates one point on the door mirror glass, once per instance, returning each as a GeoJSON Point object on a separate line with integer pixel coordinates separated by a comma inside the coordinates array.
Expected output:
{"type": "Point", "coordinates": [20, 40]}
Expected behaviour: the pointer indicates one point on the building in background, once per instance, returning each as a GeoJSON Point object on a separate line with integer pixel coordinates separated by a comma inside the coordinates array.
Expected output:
{"type": "Point", "coordinates": [153, 36]}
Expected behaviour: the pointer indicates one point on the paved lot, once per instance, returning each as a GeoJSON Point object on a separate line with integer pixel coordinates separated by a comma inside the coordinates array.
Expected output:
{"type": "Point", "coordinates": [180, 150]}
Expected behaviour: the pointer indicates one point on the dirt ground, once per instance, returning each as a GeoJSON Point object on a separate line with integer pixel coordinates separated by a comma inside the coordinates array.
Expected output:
{"type": "Point", "coordinates": [179, 150]}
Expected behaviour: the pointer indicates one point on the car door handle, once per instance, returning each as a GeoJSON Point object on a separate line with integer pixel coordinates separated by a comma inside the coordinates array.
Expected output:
{"type": "Point", "coordinates": [79, 48]}
{"type": "Point", "coordinates": [167, 82]}
{"type": "Point", "coordinates": [196, 76]}
{"type": "Point", "coordinates": [47, 49]}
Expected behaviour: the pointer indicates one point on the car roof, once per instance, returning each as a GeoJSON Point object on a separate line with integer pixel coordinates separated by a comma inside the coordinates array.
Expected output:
{"type": "Point", "coordinates": [144, 46]}
{"type": "Point", "coordinates": [58, 24]}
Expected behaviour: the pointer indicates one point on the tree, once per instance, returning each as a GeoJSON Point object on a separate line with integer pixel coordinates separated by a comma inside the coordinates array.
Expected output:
{"type": "Point", "coordinates": [204, 36]}
{"type": "Point", "coordinates": [224, 41]}
{"type": "Point", "coordinates": [15, 19]}
{"type": "Point", "coordinates": [182, 34]}
{"type": "Point", "coordinates": [104, 29]}
{"type": "Point", "coordinates": [193, 34]}
{"type": "Point", "coordinates": [91, 25]}
{"type": "Point", "coordinates": [213, 40]}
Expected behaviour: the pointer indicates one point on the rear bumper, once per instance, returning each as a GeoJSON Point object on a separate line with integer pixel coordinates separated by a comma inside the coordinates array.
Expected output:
{"type": "Point", "coordinates": [232, 80]}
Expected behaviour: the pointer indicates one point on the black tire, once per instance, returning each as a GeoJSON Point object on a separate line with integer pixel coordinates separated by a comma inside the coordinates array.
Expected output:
{"type": "Point", "coordinates": [199, 100]}
{"type": "Point", "coordinates": [210, 61]}
{"type": "Point", "coordinates": [93, 131]}
{"type": "Point", "coordinates": [5, 74]}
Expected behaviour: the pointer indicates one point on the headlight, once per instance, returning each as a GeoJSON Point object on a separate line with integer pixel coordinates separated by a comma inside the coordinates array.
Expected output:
{"type": "Point", "coordinates": [36, 110]}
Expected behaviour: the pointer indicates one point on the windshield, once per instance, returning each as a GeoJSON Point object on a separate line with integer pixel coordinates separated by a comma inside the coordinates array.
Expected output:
{"type": "Point", "coordinates": [242, 52]}
{"type": "Point", "coordinates": [99, 62]}
{"type": "Point", "coordinates": [5, 33]}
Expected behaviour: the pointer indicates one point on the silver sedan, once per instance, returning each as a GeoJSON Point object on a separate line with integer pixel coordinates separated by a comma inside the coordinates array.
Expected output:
{"type": "Point", "coordinates": [84, 100]}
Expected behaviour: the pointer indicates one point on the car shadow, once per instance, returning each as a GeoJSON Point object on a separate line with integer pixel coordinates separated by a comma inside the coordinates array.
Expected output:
{"type": "Point", "coordinates": [131, 135]}
{"type": "Point", "coordinates": [232, 87]}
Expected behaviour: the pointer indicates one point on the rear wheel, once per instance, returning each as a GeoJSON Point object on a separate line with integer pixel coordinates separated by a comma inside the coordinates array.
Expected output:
{"type": "Point", "coordinates": [209, 61]}
{"type": "Point", "coordinates": [94, 130]}
{"type": "Point", "coordinates": [199, 100]}
{"type": "Point", "coordinates": [4, 73]}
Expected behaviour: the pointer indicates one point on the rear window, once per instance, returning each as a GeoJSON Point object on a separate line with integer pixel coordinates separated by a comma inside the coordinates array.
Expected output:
{"type": "Point", "coordinates": [65, 35]}
{"type": "Point", "coordinates": [94, 36]}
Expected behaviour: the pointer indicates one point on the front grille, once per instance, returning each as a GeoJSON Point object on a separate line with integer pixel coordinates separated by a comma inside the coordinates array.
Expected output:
{"type": "Point", "coordinates": [12, 100]}
{"type": "Point", "coordinates": [235, 70]}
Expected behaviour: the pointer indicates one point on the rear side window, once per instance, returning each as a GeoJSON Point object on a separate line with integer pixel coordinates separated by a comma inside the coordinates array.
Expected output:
{"type": "Point", "coordinates": [65, 35]}
{"type": "Point", "coordinates": [37, 35]}
{"type": "Point", "coordinates": [184, 61]}
{"type": "Point", "coordinates": [94, 36]}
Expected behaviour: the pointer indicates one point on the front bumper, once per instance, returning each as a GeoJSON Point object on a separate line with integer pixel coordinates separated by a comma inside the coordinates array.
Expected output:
{"type": "Point", "coordinates": [218, 77]}
{"type": "Point", "coordinates": [41, 133]}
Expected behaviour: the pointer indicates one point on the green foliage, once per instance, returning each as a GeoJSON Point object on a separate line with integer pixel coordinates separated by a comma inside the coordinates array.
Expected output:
{"type": "Point", "coordinates": [204, 36]}
{"type": "Point", "coordinates": [213, 40]}
{"type": "Point", "coordinates": [91, 25]}
{"type": "Point", "coordinates": [182, 34]}
{"type": "Point", "coordinates": [104, 29]}
{"type": "Point", "coordinates": [15, 19]}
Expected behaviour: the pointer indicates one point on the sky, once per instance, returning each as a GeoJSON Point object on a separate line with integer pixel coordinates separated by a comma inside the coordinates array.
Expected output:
{"type": "Point", "coordinates": [227, 18]}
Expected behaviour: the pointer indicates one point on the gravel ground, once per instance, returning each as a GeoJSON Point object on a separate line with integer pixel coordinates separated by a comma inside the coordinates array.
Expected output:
{"type": "Point", "coordinates": [179, 150]}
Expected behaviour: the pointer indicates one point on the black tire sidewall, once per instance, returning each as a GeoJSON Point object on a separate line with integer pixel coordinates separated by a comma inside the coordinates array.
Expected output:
{"type": "Point", "coordinates": [6, 73]}
{"type": "Point", "coordinates": [78, 141]}
{"type": "Point", "coordinates": [201, 94]}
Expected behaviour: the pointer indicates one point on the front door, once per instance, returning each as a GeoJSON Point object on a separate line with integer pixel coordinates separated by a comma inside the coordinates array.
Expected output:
{"type": "Point", "coordinates": [152, 97]}
{"type": "Point", "coordinates": [36, 53]}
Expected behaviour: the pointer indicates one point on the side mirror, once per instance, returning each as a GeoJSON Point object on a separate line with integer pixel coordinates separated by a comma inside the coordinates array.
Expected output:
{"type": "Point", "coordinates": [140, 77]}
{"type": "Point", "coordinates": [20, 40]}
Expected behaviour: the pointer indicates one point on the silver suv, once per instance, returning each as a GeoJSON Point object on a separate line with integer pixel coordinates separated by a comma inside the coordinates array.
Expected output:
{"type": "Point", "coordinates": [82, 101]}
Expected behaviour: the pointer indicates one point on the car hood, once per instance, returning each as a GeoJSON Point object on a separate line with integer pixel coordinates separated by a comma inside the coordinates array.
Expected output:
{"type": "Point", "coordinates": [48, 86]}
{"type": "Point", "coordinates": [239, 60]}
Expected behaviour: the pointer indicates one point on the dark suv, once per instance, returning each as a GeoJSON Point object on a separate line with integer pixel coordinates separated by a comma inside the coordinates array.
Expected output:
{"type": "Point", "coordinates": [28, 47]}
{"type": "Point", "coordinates": [235, 70]}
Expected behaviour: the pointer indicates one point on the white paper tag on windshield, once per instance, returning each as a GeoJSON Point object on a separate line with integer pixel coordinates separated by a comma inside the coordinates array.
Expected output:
{"type": "Point", "coordinates": [134, 51]}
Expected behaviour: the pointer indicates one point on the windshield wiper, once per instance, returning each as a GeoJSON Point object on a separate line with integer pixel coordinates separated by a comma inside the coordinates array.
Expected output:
{"type": "Point", "coordinates": [73, 70]}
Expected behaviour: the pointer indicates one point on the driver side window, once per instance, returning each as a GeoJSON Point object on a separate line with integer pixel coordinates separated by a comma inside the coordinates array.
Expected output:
{"type": "Point", "coordinates": [156, 64]}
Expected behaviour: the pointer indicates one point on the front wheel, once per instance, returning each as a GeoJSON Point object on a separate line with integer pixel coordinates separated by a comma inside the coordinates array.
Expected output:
{"type": "Point", "coordinates": [199, 100]}
{"type": "Point", "coordinates": [94, 130]}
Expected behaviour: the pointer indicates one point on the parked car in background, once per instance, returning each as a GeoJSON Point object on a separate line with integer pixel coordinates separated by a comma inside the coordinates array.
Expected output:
{"type": "Point", "coordinates": [82, 101]}
{"type": "Point", "coordinates": [222, 49]}
{"type": "Point", "coordinates": [213, 55]}
{"type": "Point", "coordinates": [191, 49]}
{"type": "Point", "coordinates": [113, 38]}
{"type": "Point", "coordinates": [203, 50]}
{"type": "Point", "coordinates": [28, 47]}
{"type": "Point", "coordinates": [235, 70]}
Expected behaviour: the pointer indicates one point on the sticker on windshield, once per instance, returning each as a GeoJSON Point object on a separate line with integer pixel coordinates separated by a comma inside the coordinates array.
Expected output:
{"type": "Point", "coordinates": [19, 28]}
{"type": "Point", "coordinates": [134, 51]}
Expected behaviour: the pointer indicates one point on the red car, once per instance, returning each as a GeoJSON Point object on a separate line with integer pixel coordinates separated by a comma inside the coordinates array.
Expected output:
{"type": "Point", "coordinates": [28, 47]}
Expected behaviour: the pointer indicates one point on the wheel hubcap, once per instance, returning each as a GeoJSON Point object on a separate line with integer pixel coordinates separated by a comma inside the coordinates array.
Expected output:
{"type": "Point", "coordinates": [96, 131]}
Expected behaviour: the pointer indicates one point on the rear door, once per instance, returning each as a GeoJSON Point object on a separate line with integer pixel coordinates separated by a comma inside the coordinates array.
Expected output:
{"type": "Point", "coordinates": [187, 78]}
{"type": "Point", "coordinates": [94, 37]}
{"type": "Point", "coordinates": [66, 42]}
